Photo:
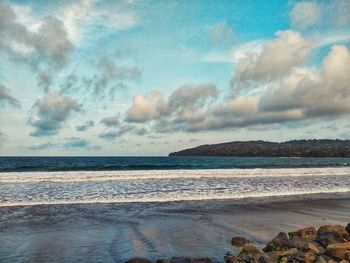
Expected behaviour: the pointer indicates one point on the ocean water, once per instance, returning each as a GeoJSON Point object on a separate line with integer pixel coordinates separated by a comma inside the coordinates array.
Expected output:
{"type": "Point", "coordinates": [70, 180]}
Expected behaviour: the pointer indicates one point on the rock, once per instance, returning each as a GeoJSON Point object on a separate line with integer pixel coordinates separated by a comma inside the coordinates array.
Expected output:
{"type": "Point", "coordinates": [289, 252]}
{"type": "Point", "coordinates": [275, 256]}
{"type": "Point", "coordinates": [314, 248]}
{"type": "Point", "coordinates": [320, 259]}
{"type": "Point", "coordinates": [230, 258]}
{"type": "Point", "coordinates": [306, 245]}
{"type": "Point", "coordinates": [280, 242]}
{"type": "Point", "coordinates": [309, 257]}
{"type": "Point", "coordinates": [298, 242]}
{"type": "Point", "coordinates": [348, 228]}
{"type": "Point", "coordinates": [343, 261]}
{"type": "Point", "coordinates": [283, 260]}
{"type": "Point", "coordinates": [244, 257]}
{"type": "Point", "coordinates": [250, 253]}
{"type": "Point", "coordinates": [327, 239]}
{"type": "Point", "coordinates": [347, 256]}
{"type": "Point", "coordinates": [334, 229]}
{"type": "Point", "coordinates": [138, 260]}
{"type": "Point", "coordinates": [252, 250]}
{"type": "Point", "coordinates": [299, 257]}
{"type": "Point", "coordinates": [264, 259]}
{"type": "Point", "coordinates": [239, 241]}
{"type": "Point", "coordinates": [331, 234]}
{"type": "Point", "coordinates": [307, 233]}
{"type": "Point", "coordinates": [162, 260]}
{"type": "Point", "coordinates": [338, 250]}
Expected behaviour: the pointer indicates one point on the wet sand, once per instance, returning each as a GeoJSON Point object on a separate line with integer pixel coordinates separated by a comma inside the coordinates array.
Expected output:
{"type": "Point", "coordinates": [116, 232]}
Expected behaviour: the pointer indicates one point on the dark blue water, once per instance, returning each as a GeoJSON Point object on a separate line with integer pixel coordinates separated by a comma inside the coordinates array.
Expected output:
{"type": "Point", "coordinates": [30, 164]}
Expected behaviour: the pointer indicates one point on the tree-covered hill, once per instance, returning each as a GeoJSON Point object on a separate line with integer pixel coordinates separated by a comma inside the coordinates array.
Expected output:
{"type": "Point", "coordinates": [295, 148]}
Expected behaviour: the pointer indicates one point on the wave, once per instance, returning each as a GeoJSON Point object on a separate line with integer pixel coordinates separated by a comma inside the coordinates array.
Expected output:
{"type": "Point", "coordinates": [204, 197]}
{"type": "Point", "coordinates": [95, 176]}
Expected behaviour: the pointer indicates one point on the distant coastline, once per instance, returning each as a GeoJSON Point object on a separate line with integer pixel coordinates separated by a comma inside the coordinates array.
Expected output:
{"type": "Point", "coordinates": [294, 148]}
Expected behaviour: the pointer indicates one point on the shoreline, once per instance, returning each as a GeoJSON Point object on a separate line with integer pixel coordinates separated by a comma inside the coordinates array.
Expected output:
{"type": "Point", "coordinates": [248, 200]}
{"type": "Point", "coordinates": [118, 232]}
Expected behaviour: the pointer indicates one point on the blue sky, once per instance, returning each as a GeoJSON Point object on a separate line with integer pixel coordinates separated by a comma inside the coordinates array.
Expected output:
{"type": "Point", "coordinates": [133, 77]}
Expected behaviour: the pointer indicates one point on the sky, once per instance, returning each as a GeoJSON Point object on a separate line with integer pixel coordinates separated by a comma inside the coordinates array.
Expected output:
{"type": "Point", "coordinates": [132, 77]}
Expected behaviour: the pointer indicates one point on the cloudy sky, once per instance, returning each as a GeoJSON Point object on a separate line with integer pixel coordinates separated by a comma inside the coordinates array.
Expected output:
{"type": "Point", "coordinates": [134, 77]}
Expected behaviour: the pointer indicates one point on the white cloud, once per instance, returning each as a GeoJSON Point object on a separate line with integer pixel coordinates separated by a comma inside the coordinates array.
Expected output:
{"type": "Point", "coordinates": [299, 94]}
{"type": "Point", "coordinates": [47, 44]}
{"type": "Point", "coordinates": [145, 108]}
{"type": "Point", "coordinates": [276, 59]}
{"type": "Point", "coordinates": [111, 121]}
{"type": "Point", "coordinates": [82, 16]}
{"type": "Point", "coordinates": [85, 126]}
{"type": "Point", "coordinates": [308, 93]}
{"type": "Point", "coordinates": [185, 103]}
{"type": "Point", "coordinates": [50, 112]}
{"type": "Point", "coordinates": [41, 43]}
{"type": "Point", "coordinates": [72, 14]}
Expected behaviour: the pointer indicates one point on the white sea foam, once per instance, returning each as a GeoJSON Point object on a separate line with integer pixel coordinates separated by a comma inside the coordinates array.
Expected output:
{"type": "Point", "coordinates": [33, 188]}
{"type": "Point", "coordinates": [92, 176]}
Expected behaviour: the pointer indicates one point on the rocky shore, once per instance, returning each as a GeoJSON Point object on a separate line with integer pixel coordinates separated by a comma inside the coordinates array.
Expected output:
{"type": "Point", "coordinates": [328, 244]}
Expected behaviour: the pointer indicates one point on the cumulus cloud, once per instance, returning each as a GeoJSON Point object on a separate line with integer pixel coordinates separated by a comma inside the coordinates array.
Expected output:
{"type": "Point", "coordinates": [276, 59]}
{"type": "Point", "coordinates": [51, 112]}
{"type": "Point", "coordinates": [303, 94]}
{"type": "Point", "coordinates": [322, 92]}
{"type": "Point", "coordinates": [85, 126]}
{"type": "Point", "coordinates": [329, 14]}
{"type": "Point", "coordinates": [185, 102]}
{"type": "Point", "coordinates": [221, 35]}
{"type": "Point", "coordinates": [298, 95]}
{"type": "Point", "coordinates": [111, 121]}
{"type": "Point", "coordinates": [6, 98]}
{"type": "Point", "coordinates": [44, 46]}
{"type": "Point", "coordinates": [145, 108]}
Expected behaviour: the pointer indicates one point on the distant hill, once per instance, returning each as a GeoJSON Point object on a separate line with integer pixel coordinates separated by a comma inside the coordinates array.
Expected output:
{"type": "Point", "coordinates": [295, 148]}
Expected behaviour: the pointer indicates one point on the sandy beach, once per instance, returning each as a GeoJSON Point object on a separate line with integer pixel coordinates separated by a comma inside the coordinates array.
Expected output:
{"type": "Point", "coordinates": [117, 232]}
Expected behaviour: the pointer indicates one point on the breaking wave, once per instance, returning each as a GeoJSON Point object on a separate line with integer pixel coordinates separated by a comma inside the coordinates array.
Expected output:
{"type": "Point", "coordinates": [80, 187]}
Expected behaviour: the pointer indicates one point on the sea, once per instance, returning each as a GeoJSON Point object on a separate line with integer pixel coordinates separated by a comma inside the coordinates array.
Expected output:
{"type": "Point", "coordinates": [78, 180]}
